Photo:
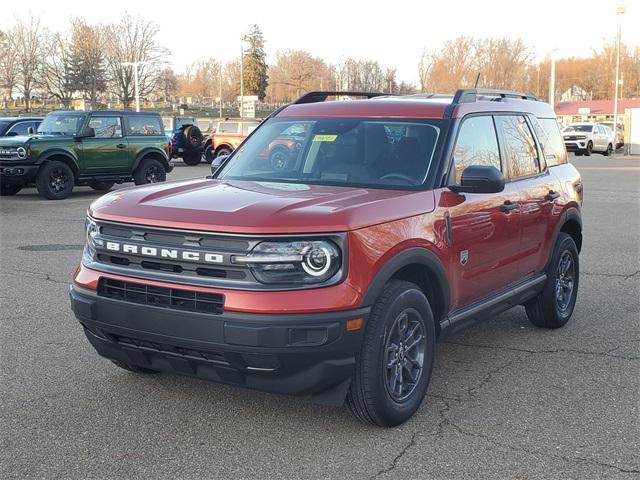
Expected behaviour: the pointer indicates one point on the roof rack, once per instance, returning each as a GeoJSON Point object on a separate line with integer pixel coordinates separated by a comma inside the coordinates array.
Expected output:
{"type": "Point", "coordinates": [469, 95]}
{"type": "Point", "coordinates": [314, 97]}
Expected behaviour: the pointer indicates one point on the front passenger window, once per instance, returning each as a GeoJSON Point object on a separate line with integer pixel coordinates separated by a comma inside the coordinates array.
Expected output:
{"type": "Point", "coordinates": [476, 145]}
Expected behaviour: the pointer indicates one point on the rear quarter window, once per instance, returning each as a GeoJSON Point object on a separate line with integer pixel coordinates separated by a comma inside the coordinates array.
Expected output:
{"type": "Point", "coordinates": [144, 125]}
{"type": "Point", "coordinates": [548, 133]}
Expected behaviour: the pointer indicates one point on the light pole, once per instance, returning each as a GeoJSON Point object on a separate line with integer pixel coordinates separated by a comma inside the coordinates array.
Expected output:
{"type": "Point", "coordinates": [220, 89]}
{"type": "Point", "coordinates": [552, 79]}
{"type": "Point", "coordinates": [135, 80]}
{"type": "Point", "coordinates": [619, 12]}
{"type": "Point", "coordinates": [243, 38]}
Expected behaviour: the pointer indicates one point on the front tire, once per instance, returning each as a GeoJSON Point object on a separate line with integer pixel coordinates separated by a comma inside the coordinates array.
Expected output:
{"type": "Point", "coordinates": [223, 151]}
{"type": "Point", "coordinates": [55, 180]}
{"type": "Point", "coordinates": [589, 149]}
{"type": "Point", "coordinates": [9, 189]}
{"type": "Point", "coordinates": [393, 368]}
{"type": "Point", "coordinates": [208, 154]}
{"type": "Point", "coordinates": [150, 170]}
{"type": "Point", "coordinates": [553, 307]}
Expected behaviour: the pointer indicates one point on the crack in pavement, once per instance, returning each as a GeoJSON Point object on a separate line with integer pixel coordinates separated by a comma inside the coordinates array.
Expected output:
{"type": "Point", "coordinates": [38, 275]}
{"type": "Point", "coordinates": [558, 350]}
{"type": "Point", "coordinates": [394, 463]}
{"type": "Point", "coordinates": [625, 276]}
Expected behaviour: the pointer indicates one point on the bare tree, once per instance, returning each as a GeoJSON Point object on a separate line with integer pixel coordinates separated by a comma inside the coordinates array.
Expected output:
{"type": "Point", "coordinates": [133, 40]}
{"type": "Point", "coordinates": [56, 75]}
{"type": "Point", "coordinates": [9, 65]}
{"type": "Point", "coordinates": [167, 85]}
{"type": "Point", "coordinates": [201, 79]}
{"type": "Point", "coordinates": [88, 59]}
{"type": "Point", "coordinates": [296, 72]}
{"type": "Point", "coordinates": [27, 38]}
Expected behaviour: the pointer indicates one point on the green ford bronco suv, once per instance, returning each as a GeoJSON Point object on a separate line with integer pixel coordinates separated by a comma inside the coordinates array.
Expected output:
{"type": "Point", "coordinates": [96, 149]}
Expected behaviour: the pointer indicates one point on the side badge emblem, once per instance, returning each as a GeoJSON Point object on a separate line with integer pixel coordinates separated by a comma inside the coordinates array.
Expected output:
{"type": "Point", "coordinates": [464, 257]}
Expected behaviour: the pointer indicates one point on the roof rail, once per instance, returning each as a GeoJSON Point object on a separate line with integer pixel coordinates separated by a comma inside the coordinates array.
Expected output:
{"type": "Point", "coordinates": [314, 97]}
{"type": "Point", "coordinates": [470, 95]}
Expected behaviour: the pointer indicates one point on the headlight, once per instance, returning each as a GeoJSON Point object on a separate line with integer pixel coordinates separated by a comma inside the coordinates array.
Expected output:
{"type": "Point", "coordinates": [305, 261]}
{"type": "Point", "coordinates": [91, 231]}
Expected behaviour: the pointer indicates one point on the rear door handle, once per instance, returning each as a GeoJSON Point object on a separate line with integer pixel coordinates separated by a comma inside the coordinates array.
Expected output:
{"type": "Point", "coordinates": [121, 145]}
{"type": "Point", "coordinates": [508, 205]}
{"type": "Point", "coordinates": [551, 196]}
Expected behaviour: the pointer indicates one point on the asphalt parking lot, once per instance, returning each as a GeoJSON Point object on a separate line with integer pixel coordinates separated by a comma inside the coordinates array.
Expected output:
{"type": "Point", "coordinates": [507, 400]}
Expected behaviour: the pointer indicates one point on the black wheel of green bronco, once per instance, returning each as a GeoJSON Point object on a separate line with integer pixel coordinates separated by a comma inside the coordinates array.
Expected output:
{"type": "Point", "coordinates": [8, 189]}
{"type": "Point", "coordinates": [101, 186]}
{"type": "Point", "coordinates": [553, 307]}
{"type": "Point", "coordinates": [394, 365]}
{"type": "Point", "coordinates": [133, 368]}
{"type": "Point", "coordinates": [150, 170]}
{"type": "Point", "coordinates": [55, 180]}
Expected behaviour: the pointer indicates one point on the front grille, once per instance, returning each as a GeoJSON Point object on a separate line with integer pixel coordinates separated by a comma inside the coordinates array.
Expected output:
{"type": "Point", "coordinates": [164, 297]}
{"type": "Point", "coordinates": [189, 353]}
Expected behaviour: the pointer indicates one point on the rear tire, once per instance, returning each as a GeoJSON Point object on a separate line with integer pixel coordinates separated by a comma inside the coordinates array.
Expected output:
{"type": "Point", "coordinates": [208, 154]}
{"type": "Point", "coordinates": [192, 158]}
{"type": "Point", "coordinates": [608, 151]}
{"type": "Point", "coordinates": [150, 170]}
{"type": "Point", "coordinates": [393, 367]}
{"type": "Point", "coordinates": [133, 368]}
{"type": "Point", "coordinates": [553, 307]}
{"type": "Point", "coordinates": [55, 180]}
{"type": "Point", "coordinates": [102, 186]}
{"type": "Point", "coordinates": [9, 189]}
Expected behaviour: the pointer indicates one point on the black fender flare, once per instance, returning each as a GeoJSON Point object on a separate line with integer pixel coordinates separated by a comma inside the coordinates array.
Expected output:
{"type": "Point", "coordinates": [146, 151]}
{"type": "Point", "coordinates": [413, 255]}
{"type": "Point", "coordinates": [571, 213]}
{"type": "Point", "coordinates": [46, 156]}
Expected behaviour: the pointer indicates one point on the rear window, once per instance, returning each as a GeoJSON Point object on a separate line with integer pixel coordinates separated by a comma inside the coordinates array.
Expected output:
{"type": "Point", "coordinates": [144, 125]}
{"type": "Point", "coordinates": [548, 133]}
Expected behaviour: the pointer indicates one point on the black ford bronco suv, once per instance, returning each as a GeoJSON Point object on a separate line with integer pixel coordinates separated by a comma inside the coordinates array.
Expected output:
{"type": "Point", "coordinates": [96, 149]}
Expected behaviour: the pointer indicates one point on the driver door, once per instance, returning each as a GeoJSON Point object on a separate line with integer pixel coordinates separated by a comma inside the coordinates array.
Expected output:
{"type": "Point", "coordinates": [107, 152]}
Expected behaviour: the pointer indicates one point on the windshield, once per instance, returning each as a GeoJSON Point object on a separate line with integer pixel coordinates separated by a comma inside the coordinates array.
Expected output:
{"type": "Point", "coordinates": [337, 151]}
{"type": "Point", "coordinates": [579, 128]}
{"type": "Point", "coordinates": [3, 126]}
{"type": "Point", "coordinates": [61, 123]}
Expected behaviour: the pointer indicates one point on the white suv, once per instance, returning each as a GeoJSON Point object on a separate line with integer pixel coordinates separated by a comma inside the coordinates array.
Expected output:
{"type": "Point", "coordinates": [585, 138]}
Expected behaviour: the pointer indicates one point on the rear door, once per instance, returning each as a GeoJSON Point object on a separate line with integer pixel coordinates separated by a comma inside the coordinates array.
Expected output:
{"type": "Point", "coordinates": [537, 188]}
{"type": "Point", "coordinates": [107, 152]}
{"type": "Point", "coordinates": [485, 228]}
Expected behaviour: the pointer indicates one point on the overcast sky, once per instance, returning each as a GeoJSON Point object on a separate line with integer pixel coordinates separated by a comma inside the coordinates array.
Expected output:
{"type": "Point", "coordinates": [392, 32]}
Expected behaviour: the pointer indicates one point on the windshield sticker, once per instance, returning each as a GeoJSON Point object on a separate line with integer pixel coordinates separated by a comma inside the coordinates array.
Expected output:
{"type": "Point", "coordinates": [325, 138]}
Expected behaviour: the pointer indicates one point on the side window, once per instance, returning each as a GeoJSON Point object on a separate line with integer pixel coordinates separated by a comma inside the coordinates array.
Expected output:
{"type": "Point", "coordinates": [228, 127]}
{"type": "Point", "coordinates": [476, 145]}
{"type": "Point", "coordinates": [106, 127]}
{"type": "Point", "coordinates": [550, 139]}
{"type": "Point", "coordinates": [144, 125]}
{"type": "Point", "coordinates": [520, 148]}
{"type": "Point", "coordinates": [247, 128]}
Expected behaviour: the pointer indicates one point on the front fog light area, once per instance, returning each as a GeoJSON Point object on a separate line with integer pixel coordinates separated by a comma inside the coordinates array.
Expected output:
{"type": "Point", "coordinates": [313, 261]}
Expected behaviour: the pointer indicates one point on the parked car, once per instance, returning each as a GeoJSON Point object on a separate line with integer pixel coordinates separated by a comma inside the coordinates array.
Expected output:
{"type": "Point", "coordinates": [619, 140]}
{"type": "Point", "coordinates": [14, 126]}
{"type": "Point", "coordinates": [396, 224]}
{"type": "Point", "coordinates": [227, 136]}
{"type": "Point", "coordinates": [96, 149]}
{"type": "Point", "coordinates": [585, 138]}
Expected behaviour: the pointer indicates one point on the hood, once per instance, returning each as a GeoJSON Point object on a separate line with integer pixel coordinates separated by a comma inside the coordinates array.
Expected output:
{"type": "Point", "coordinates": [17, 140]}
{"type": "Point", "coordinates": [258, 207]}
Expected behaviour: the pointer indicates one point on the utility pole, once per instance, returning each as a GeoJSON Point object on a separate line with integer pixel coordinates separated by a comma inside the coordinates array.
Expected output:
{"type": "Point", "coordinates": [243, 38]}
{"type": "Point", "coordinates": [619, 12]}
{"type": "Point", "coordinates": [220, 89]}
{"type": "Point", "coordinates": [135, 80]}
{"type": "Point", "coordinates": [552, 79]}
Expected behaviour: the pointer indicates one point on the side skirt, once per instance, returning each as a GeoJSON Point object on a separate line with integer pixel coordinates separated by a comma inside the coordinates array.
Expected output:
{"type": "Point", "coordinates": [492, 305]}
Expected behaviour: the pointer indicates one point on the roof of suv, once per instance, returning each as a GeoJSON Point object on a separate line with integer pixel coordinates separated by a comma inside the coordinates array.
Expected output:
{"type": "Point", "coordinates": [415, 106]}
{"type": "Point", "coordinates": [99, 113]}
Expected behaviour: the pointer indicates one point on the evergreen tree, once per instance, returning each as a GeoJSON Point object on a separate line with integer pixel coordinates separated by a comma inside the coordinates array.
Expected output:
{"type": "Point", "coordinates": [255, 65]}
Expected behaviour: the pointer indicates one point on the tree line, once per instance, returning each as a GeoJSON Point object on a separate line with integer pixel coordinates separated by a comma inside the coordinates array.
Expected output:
{"type": "Point", "coordinates": [96, 62]}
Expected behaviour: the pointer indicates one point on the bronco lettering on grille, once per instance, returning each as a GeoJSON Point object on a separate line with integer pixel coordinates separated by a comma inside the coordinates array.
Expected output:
{"type": "Point", "coordinates": [170, 253]}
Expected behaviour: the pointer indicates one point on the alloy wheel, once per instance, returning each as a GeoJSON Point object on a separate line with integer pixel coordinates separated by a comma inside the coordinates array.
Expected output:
{"type": "Point", "coordinates": [565, 279]}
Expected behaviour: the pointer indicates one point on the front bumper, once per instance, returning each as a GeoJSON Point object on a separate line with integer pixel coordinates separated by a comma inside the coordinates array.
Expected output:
{"type": "Point", "coordinates": [296, 354]}
{"type": "Point", "coordinates": [18, 174]}
{"type": "Point", "coordinates": [573, 146]}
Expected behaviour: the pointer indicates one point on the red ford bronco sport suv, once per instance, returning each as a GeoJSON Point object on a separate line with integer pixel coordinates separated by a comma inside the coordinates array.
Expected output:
{"type": "Point", "coordinates": [398, 220]}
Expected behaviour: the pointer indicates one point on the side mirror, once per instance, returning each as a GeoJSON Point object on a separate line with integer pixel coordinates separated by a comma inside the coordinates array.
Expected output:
{"type": "Point", "coordinates": [30, 131]}
{"type": "Point", "coordinates": [217, 163]}
{"type": "Point", "coordinates": [480, 179]}
{"type": "Point", "coordinates": [86, 132]}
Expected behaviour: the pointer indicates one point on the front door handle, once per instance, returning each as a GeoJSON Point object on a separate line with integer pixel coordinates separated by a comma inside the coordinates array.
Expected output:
{"type": "Point", "coordinates": [551, 196]}
{"type": "Point", "coordinates": [121, 145]}
{"type": "Point", "coordinates": [508, 205]}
